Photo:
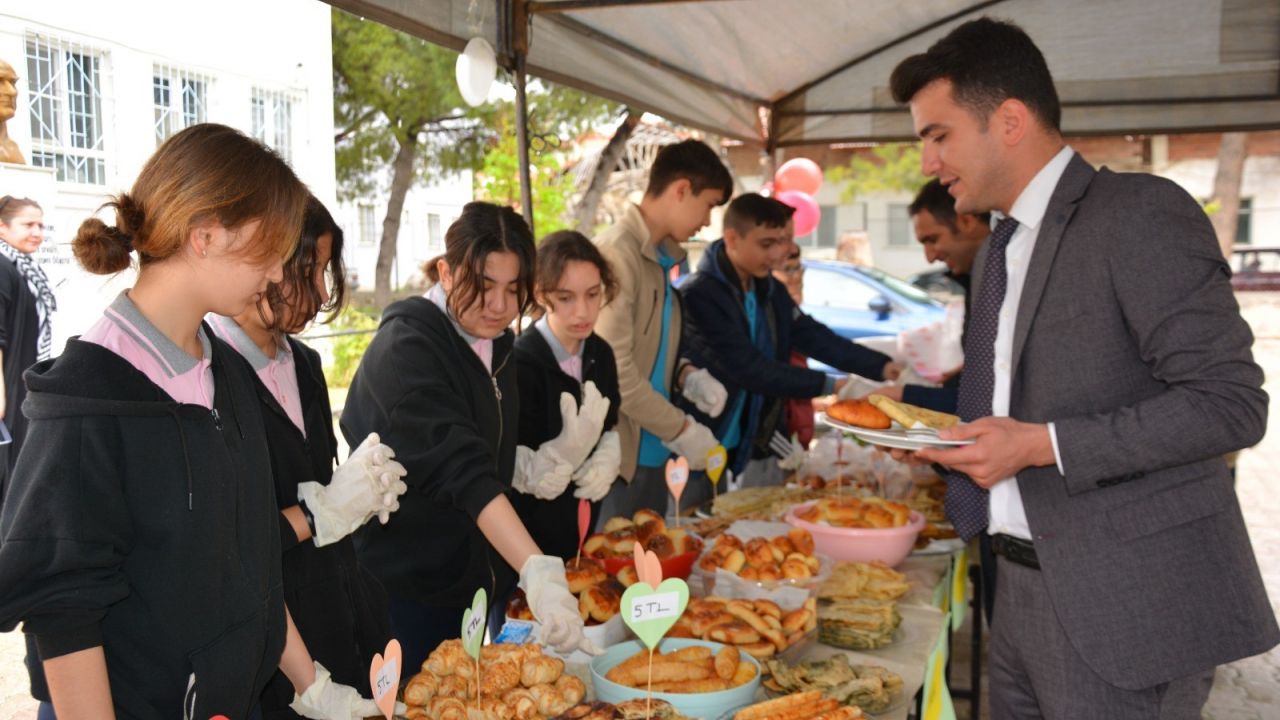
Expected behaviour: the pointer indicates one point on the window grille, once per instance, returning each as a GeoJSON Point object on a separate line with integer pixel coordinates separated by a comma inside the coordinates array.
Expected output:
{"type": "Point", "coordinates": [65, 81]}
{"type": "Point", "coordinates": [272, 118]}
{"type": "Point", "coordinates": [181, 99]}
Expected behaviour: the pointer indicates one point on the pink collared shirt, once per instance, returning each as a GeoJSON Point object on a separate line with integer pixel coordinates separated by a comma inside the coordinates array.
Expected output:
{"type": "Point", "coordinates": [278, 372]}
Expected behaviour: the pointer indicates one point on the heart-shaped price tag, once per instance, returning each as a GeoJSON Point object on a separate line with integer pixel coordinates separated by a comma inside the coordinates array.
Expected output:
{"type": "Point", "coordinates": [677, 476]}
{"type": "Point", "coordinates": [648, 567]}
{"type": "Point", "coordinates": [651, 612]}
{"type": "Point", "coordinates": [584, 522]}
{"type": "Point", "coordinates": [716, 460]}
{"type": "Point", "coordinates": [473, 622]}
{"type": "Point", "coordinates": [384, 678]}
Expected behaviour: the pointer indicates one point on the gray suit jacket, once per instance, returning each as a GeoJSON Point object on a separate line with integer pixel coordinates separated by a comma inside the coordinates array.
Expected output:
{"type": "Point", "coordinates": [1128, 337]}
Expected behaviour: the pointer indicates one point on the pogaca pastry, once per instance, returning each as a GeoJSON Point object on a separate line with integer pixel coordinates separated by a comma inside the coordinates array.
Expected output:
{"type": "Point", "coordinates": [759, 628]}
{"type": "Point", "coordinates": [852, 512]}
{"type": "Point", "coordinates": [859, 413]}
{"type": "Point", "coordinates": [687, 670]}
{"type": "Point", "coordinates": [646, 527]}
{"type": "Point", "coordinates": [785, 557]}
{"type": "Point", "coordinates": [599, 596]}
{"type": "Point", "coordinates": [517, 682]}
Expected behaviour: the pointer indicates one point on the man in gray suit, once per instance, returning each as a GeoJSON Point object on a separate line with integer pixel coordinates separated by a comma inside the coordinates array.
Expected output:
{"type": "Point", "coordinates": [1107, 372]}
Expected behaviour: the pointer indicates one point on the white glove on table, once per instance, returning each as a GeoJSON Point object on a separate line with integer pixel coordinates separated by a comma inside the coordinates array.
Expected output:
{"type": "Point", "coordinates": [595, 476]}
{"type": "Point", "coordinates": [367, 484]}
{"type": "Point", "coordinates": [541, 473]}
{"type": "Point", "coordinates": [580, 426]}
{"type": "Point", "coordinates": [694, 442]}
{"type": "Point", "coordinates": [706, 392]}
{"type": "Point", "coordinates": [547, 592]}
{"type": "Point", "coordinates": [328, 700]}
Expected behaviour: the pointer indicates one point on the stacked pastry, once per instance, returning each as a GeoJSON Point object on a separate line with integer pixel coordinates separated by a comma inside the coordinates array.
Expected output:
{"type": "Point", "coordinates": [785, 557]}
{"type": "Point", "coordinates": [853, 512]}
{"type": "Point", "coordinates": [638, 709]}
{"type": "Point", "coordinates": [809, 705]}
{"type": "Point", "coordinates": [516, 682]}
{"type": "Point", "coordinates": [858, 624]}
{"type": "Point", "coordinates": [599, 596]}
{"type": "Point", "coordinates": [759, 628]}
{"type": "Point", "coordinates": [687, 670]}
{"type": "Point", "coordinates": [875, 581]}
{"type": "Point", "coordinates": [646, 527]}
{"type": "Point", "coordinates": [870, 687]}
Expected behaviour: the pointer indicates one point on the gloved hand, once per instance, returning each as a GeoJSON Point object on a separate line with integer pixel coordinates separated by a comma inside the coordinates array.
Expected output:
{"type": "Point", "coordinates": [541, 473]}
{"type": "Point", "coordinates": [547, 592]}
{"type": "Point", "coordinates": [595, 476]}
{"type": "Point", "coordinates": [328, 700]}
{"type": "Point", "coordinates": [694, 442]}
{"type": "Point", "coordinates": [367, 484]}
{"type": "Point", "coordinates": [580, 425]}
{"type": "Point", "coordinates": [706, 392]}
{"type": "Point", "coordinates": [795, 455]}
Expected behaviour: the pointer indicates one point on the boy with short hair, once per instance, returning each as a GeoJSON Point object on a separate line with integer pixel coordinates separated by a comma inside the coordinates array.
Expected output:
{"type": "Point", "coordinates": [644, 325]}
{"type": "Point", "coordinates": [743, 325]}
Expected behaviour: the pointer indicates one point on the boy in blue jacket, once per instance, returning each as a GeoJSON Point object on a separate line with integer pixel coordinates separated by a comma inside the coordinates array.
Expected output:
{"type": "Point", "coordinates": [742, 326]}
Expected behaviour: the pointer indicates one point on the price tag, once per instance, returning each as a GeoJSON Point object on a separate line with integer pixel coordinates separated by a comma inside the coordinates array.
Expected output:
{"type": "Point", "coordinates": [384, 678]}
{"type": "Point", "coordinates": [650, 613]}
{"type": "Point", "coordinates": [677, 477]}
{"type": "Point", "coordinates": [656, 607]}
{"type": "Point", "coordinates": [473, 621]}
{"type": "Point", "coordinates": [716, 460]}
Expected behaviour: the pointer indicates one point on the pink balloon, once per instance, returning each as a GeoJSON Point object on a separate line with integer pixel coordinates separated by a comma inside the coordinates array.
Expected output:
{"type": "Point", "coordinates": [807, 211]}
{"type": "Point", "coordinates": [800, 174]}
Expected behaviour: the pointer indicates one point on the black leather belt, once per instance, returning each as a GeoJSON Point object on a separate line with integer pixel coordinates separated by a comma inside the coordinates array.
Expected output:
{"type": "Point", "coordinates": [1015, 550]}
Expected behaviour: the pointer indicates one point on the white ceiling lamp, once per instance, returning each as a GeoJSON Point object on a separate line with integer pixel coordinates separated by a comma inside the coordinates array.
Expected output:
{"type": "Point", "coordinates": [477, 67]}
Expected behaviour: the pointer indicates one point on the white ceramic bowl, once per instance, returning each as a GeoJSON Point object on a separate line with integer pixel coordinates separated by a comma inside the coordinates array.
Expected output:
{"type": "Point", "coordinates": [704, 705]}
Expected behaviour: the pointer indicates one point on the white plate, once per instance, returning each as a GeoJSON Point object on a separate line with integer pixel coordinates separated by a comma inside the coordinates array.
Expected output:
{"type": "Point", "coordinates": [895, 437]}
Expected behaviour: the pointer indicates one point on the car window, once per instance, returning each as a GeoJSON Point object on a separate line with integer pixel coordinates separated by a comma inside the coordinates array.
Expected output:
{"type": "Point", "coordinates": [825, 288]}
{"type": "Point", "coordinates": [902, 287]}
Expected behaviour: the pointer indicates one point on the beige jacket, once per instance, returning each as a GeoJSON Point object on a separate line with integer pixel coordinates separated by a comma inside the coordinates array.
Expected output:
{"type": "Point", "coordinates": [632, 324]}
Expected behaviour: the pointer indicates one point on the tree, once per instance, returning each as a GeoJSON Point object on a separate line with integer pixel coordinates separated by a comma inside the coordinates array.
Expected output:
{"type": "Point", "coordinates": [396, 104]}
{"type": "Point", "coordinates": [1226, 189]}
{"type": "Point", "coordinates": [589, 204]}
{"type": "Point", "coordinates": [893, 167]}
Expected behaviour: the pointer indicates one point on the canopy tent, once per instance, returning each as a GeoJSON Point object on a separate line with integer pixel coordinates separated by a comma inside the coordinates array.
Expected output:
{"type": "Point", "coordinates": [796, 72]}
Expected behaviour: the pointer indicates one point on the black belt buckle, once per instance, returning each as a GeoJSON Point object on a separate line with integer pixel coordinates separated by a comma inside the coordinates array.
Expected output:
{"type": "Point", "coordinates": [1015, 550]}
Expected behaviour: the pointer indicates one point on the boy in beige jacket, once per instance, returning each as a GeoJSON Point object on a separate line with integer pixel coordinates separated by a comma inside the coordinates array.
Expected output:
{"type": "Point", "coordinates": [644, 324]}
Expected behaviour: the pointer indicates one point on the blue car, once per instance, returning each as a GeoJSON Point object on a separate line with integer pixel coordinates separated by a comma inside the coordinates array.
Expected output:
{"type": "Point", "coordinates": [858, 301]}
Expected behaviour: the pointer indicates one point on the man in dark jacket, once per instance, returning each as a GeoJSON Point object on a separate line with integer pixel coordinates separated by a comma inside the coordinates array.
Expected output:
{"type": "Point", "coordinates": [743, 326]}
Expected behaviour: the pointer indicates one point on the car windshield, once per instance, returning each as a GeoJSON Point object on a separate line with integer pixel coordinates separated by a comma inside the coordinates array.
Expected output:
{"type": "Point", "coordinates": [900, 286]}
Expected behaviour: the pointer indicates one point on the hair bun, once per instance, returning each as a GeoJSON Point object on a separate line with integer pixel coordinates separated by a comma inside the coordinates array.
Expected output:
{"type": "Point", "coordinates": [100, 248]}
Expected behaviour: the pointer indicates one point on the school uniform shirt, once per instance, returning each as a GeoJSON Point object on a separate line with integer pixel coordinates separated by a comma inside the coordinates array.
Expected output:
{"type": "Point", "coordinates": [147, 525]}
{"type": "Point", "coordinates": [339, 608]}
{"type": "Point", "coordinates": [544, 370]}
{"type": "Point", "coordinates": [452, 422]}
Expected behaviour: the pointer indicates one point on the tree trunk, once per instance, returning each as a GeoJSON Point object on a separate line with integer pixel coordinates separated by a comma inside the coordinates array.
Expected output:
{"type": "Point", "coordinates": [401, 179]}
{"type": "Point", "coordinates": [1226, 188]}
{"type": "Point", "coordinates": [585, 222]}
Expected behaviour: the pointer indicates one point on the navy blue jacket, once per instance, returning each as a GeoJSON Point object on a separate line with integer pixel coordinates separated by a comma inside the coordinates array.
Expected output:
{"type": "Point", "coordinates": [719, 340]}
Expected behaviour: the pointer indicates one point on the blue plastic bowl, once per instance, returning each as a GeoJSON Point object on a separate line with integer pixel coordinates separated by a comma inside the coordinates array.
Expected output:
{"type": "Point", "coordinates": [706, 705]}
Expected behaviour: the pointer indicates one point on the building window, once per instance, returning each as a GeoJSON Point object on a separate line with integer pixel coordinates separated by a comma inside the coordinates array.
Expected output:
{"type": "Point", "coordinates": [1244, 222]}
{"type": "Point", "coordinates": [180, 98]}
{"type": "Point", "coordinates": [272, 113]}
{"type": "Point", "coordinates": [65, 82]}
{"type": "Point", "coordinates": [368, 226]}
{"type": "Point", "coordinates": [900, 230]}
{"type": "Point", "coordinates": [435, 231]}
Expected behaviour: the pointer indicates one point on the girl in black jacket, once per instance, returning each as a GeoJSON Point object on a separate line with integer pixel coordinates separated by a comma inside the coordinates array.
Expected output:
{"type": "Point", "coordinates": [438, 383]}
{"type": "Point", "coordinates": [557, 355]}
{"type": "Point", "coordinates": [139, 541]}
{"type": "Point", "coordinates": [340, 610]}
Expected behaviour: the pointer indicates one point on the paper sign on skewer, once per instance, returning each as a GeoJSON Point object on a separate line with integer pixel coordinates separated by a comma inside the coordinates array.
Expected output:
{"type": "Point", "coordinates": [473, 625]}
{"type": "Point", "coordinates": [652, 606]}
{"type": "Point", "coordinates": [384, 678]}
{"type": "Point", "coordinates": [584, 524]}
{"type": "Point", "coordinates": [716, 460]}
{"type": "Point", "coordinates": [677, 478]}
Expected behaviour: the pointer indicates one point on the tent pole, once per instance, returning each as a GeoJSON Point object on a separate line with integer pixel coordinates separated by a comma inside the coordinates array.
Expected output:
{"type": "Point", "coordinates": [518, 37]}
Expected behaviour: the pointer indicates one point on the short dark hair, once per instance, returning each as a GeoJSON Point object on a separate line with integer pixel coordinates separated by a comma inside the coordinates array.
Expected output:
{"type": "Point", "coordinates": [987, 61]}
{"type": "Point", "coordinates": [751, 210]}
{"type": "Point", "coordinates": [484, 228]}
{"type": "Point", "coordinates": [562, 247]}
{"type": "Point", "coordinates": [935, 199]}
{"type": "Point", "coordinates": [297, 289]}
{"type": "Point", "coordinates": [689, 160]}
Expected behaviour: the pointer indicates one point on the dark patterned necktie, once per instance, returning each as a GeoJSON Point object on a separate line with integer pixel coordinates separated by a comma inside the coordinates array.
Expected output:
{"type": "Point", "coordinates": [966, 503]}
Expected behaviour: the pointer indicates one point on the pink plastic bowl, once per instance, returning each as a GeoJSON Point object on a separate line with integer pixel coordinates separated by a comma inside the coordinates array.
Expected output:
{"type": "Point", "coordinates": [890, 546]}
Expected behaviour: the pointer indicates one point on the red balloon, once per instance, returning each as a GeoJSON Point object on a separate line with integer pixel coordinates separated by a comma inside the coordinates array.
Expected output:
{"type": "Point", "coordinates": [800, 174]}
{"type": "Point", "coordinates": [807, 211]}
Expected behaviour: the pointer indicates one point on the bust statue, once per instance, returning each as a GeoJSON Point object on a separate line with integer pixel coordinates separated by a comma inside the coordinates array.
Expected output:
{"type": "Point", "coordinates": [9, 151]}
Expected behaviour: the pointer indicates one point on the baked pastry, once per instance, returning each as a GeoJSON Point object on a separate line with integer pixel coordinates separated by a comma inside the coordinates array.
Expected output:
{"type": "Point", "coordinates": [597, 546]}
{"type": "Point", "coordinates": [571, 688]}
{"type": "Point", "coordinates": [522, 703]}
{"type": "Point", "coordinates": [628, 576]}
{"type": "Point", "coordinates": [614, 524]}
{"type": "Point", "coordinates": [859, 413]}
{"type": "Point", "coordinates": [518, 606]}
{"type": "Point", "coordinates": [540, 671]}
{"type": "Point", "coordinates": [421, 688]}
{"type": "Point", "coordinates": [447, 708]}
{"type": "Point", "coordinates": [582, 573]}
{"type": "Point", "coordinates": [909, 415]}
{"type": "Point", "coordinates": [600, 602]}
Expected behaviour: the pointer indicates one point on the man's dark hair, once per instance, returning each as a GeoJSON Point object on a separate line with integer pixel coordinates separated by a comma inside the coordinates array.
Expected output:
{"type": "Point", "coordinates": [751, 210]}
{"type": "Point", "coordinates": [987, 61]}
{"type": "Point", "coordinates": [935, 199]}
{"type": "Point", "coordinates": [689, 160]}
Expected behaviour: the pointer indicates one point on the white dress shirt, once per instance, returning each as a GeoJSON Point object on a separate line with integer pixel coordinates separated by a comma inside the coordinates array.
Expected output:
{"type": "Point", "coordinates": [1007, 515]}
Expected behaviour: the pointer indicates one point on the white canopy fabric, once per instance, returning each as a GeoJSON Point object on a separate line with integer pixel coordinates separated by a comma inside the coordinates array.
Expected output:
{"type": "Point", "coordinates": [797, 72]}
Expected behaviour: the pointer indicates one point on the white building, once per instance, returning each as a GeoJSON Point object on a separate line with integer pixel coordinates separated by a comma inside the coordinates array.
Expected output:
{"type": "Point", "coordinates": [101, 84]}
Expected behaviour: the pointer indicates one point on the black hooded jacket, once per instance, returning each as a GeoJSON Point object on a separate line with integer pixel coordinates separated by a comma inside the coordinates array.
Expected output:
{"type": "Point", "coordinates": [453, 426]}
{"type": "Point", "coordinates": [147, 527]}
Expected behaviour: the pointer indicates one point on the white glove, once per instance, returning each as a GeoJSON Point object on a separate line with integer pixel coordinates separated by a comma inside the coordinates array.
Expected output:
{"type": "Point", "coordinates": [541, 473]}
{"type": "Point", "coordinates": [795, 455]}
{"type": "Point", "coordinates": [328, 700]}
{"type": "Point", "coordinates": [694, 442]}
{"type": "Point", "coordinates": [595, 476]}
{"type": "Point", "coordinates": [367, 484]}
{"type": "Point", "coordinates": [581, 425]}
{"type": "Point", "coordinates": [706, 392]}
{"type": "Point", "coordinates": [547, 592]}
